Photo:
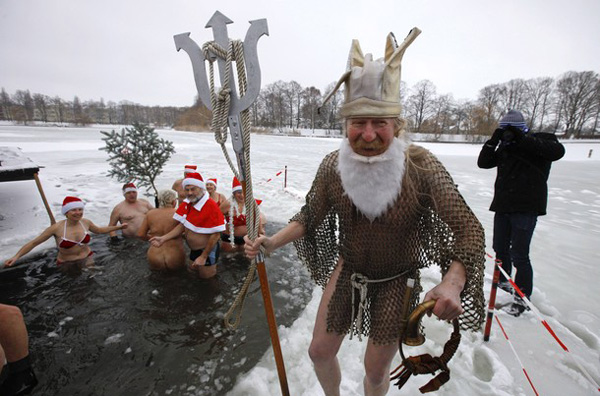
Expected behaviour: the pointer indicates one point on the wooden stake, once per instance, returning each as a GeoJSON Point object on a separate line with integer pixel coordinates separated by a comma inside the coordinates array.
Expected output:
{"type": "Point", "coordinates": [41, 190]}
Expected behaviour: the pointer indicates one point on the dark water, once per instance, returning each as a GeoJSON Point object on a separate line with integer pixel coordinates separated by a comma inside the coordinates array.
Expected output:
{"type": "Point", "coordinates": [122, 330]}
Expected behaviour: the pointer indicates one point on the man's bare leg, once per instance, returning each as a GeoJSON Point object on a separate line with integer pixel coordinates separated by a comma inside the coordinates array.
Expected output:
{"type": "Point", "coordinates": [325, 345]}
{"type": "Point", "coordinates": [13, 333]}
{"type": "Point", "coordinates": [19, 376]}
{"type": "Point", "coordinates": [378, 359]}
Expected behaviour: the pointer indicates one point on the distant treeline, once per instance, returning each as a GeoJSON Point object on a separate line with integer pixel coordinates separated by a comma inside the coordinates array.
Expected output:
{"type": "Point", "coordinates": [24, 107]}
{"type": "Point", "coordinates": [568, 105]}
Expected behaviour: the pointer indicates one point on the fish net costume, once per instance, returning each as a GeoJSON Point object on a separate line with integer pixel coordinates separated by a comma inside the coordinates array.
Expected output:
{"type": "Point", "coordinates": [430, 223]}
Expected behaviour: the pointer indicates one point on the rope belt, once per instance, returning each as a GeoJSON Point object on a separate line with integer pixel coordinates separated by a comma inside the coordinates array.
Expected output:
{"type": "Point", "coordinates": [359, 282]}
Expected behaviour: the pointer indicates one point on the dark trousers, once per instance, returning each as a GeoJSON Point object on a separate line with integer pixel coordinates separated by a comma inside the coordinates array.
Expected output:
{"type": "Point", "coordinates": [512, 237]}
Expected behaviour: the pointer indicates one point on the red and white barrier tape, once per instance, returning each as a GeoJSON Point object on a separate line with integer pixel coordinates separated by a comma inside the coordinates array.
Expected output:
{"type": "Point", "coordinates": [272, 178]}
{"type": "Point", "coordinates": [545, 324]}
{"type": "Point", "coordinates": [516, 355]}
{"type": "Point", "coordinates": [277, 174]}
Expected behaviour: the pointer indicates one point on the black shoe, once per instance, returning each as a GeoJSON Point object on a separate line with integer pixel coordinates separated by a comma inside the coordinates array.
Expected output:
{"type": "Point", "coordinates": [506, 286]}
{"type": "Point", "coordinates": [17, 384]}
{"type": "Point", "coordinates": [517, 307]}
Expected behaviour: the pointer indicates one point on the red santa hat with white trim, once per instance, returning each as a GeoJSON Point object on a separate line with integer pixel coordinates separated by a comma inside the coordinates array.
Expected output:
{"type": "Point", "coordinates": [236, 185]}
{"type": "Point", "coordinates": [212, 181]}
{"type": "Point", "coordinates": [190, 169]}
{"type": "Point", "coordinates": [129, 187]}
{"type": "Point", "coordinates": [193, 179]}
{"type": "Point", "coordinates": [70, 203]}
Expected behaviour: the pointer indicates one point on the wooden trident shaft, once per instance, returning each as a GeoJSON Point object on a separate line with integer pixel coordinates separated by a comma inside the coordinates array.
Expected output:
{"type": "Point", "coordinates": [271, 320]}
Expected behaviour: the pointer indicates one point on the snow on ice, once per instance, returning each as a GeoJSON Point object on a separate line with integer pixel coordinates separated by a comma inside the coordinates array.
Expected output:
{"type": "Point", "coordinates": [564, 254]}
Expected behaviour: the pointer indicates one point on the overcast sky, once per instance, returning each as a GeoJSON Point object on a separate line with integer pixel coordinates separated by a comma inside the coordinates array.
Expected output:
{"type": "Point", "coordinates": [124, 50]}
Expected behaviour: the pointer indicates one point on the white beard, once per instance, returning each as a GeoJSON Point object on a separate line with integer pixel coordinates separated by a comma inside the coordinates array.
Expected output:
{"type": "Point", "coordinates": [373, 184]}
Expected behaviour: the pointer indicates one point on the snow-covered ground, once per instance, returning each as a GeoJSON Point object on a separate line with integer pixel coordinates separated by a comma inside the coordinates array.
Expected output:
{"type": "Point", "coordinates": [564, 254]}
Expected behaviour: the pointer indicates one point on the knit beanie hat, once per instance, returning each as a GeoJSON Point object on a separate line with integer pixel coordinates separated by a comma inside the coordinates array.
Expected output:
{"type": "Point", "coordinates": [513, 118]}
{"type": "Point", "coordinates": [70, 203]}
{"type": "Point", "coordinates": [193, 179]}
{"type": "Point", "coordinates": [372, 87]}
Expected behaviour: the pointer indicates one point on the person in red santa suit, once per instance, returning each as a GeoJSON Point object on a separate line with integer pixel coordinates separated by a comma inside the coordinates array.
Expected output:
{"type": "Point", "coordinates": [71, 235]}
{"type": "Point", "coordinates": [202, 222]}
{"type": "Point", "coordinates": [236, 220]}
{"type": "Point", "coordinates": [177, 185]}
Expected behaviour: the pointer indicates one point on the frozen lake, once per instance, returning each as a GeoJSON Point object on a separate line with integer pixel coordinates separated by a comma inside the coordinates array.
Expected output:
{"type": "Point", "coordinates": [564, 255]}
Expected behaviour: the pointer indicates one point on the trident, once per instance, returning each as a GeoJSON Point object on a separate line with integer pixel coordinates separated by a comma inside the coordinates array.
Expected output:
{"type": "Point", "coordinates": [218, 22]}
{"type": "Point", "coordinates": [235, 109]}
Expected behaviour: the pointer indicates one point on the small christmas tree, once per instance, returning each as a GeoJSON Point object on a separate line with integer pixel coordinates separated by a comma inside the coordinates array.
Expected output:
{"type": "Point", "coordinates": [137, 154]}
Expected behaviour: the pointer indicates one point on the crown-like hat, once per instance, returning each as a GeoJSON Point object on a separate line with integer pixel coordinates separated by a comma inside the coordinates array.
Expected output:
{"type": "Point", "coordinates": [372, 87]}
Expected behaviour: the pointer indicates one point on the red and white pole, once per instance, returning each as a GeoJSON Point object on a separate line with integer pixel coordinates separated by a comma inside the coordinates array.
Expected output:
{"type": "Point", "coordinates": [492, 302]}
{"type": "Point", "coordinates": [547, 326]}
{"type": "Point", "coordinates": [517, 356]}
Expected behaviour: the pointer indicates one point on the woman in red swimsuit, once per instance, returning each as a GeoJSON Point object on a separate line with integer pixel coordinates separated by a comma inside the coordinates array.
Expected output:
{"type": "Point", "coordinates": [71, 235]}
{"type": "Point", "coordinates": [236, 220]}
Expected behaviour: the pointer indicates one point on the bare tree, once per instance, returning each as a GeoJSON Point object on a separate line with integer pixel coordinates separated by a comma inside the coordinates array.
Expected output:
{"type": "Point", "coordinates": [40, 103]}
{"type": "Point", "coordinates": [311, 99]}
{"type": "Point", "coordinates": [596, 121]}
{"type": "Point", "coordinates": [5, 105]}
{"type": "Point", "coordinates": [461, 111]}
{"type": "Point", "coordinates": [329, 111]}
{"type": "Point", "coordinates": [292, 91]}
{"type": "Point", "coordinates": [420, 103]}
{"type": "Point", "coordinates": [112, 112]}
{"type": "Point", "coordinates": [100, 113]}
{"type": "Point", "coordinates": [577, 98]}
{"type": "Point", "coordinates": [58, 109]}
{"type": "Point", "coordinates": [538, 98]}
{"type": "Point", "coordinates": [79, 117]}
{"type": "Point", "coordinates": [442, 117]}
{"type": "Point", "coordinates": [512, 94]}
{"type": "Point", "coordinates": [24, 101]}
{"type": "Point", "coordinates": [489, 101]}
{"type": "Point", "coordinates": [275, 104]}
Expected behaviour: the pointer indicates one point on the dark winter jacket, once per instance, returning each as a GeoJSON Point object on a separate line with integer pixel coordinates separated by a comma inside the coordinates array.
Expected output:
{"type": "Point", "coordinates": [523, 169]}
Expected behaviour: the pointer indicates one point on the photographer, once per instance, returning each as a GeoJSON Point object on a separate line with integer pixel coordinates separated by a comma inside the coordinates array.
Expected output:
{"type": "Point", "coordinates": [523, 159]}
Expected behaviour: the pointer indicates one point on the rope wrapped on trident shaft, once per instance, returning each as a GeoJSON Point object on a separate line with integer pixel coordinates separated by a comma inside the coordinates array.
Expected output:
{"type": "Point", "coordinates": [220, 103]}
